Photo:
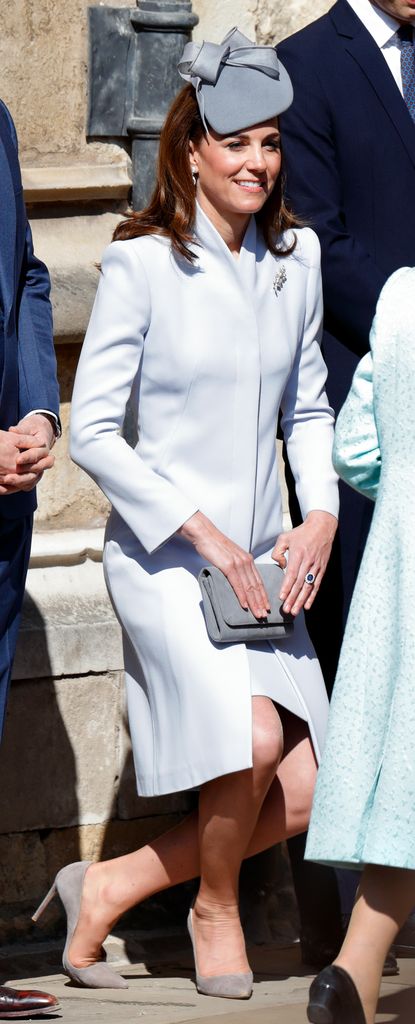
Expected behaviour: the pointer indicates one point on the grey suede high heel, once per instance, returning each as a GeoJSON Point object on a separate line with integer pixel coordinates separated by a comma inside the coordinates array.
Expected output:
{"type": "Point", "coordinates": [68, 885]}
{"type": "Point", "coordinates": [226, 986]}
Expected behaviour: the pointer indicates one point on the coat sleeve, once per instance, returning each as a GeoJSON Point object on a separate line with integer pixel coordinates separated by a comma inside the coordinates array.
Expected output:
{"type": "Point", "coordinates": [356, 452]}
{"type": "Point", "coordinates": [38, 386]}
{"type": "Point", "coordinates": [352, 281]}
{"type": "Point", "coordinates": [151, 505]}
{"type": "Point", "coordinates": [307, 420]}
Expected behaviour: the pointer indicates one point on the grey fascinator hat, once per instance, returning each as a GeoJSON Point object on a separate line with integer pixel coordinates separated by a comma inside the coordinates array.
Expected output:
{"type": "Point", "coordinates": [237, 83]}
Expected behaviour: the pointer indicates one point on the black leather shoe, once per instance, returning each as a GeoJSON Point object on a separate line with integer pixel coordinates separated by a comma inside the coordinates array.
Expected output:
{"type": "Point", "coordinates": [334, 999]}
{"type": "Point", "coordinates": [15, 1003]}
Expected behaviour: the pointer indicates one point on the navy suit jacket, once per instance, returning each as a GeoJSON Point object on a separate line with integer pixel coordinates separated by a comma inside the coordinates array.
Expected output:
{"type": "Point", "coordinates": [27, 357]}
{"type": "Point", "coordinates": [349, 150]}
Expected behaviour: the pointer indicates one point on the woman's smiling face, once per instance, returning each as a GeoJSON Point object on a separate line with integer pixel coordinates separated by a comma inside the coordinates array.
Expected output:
{"type": "Point", "coordinates": [237, 173]}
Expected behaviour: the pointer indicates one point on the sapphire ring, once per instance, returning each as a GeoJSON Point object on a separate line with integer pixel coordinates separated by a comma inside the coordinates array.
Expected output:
{"type": "Point", "coordinates": [310, 579]}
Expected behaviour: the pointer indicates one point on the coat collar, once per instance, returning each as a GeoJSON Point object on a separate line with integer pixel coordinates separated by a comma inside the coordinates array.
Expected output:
{"type": "Point", "coordinates": [210, 239]}
{"type": "Point", "coordinates": [362, 47]}
{"type": "Point", "coordinates": [213, 243]}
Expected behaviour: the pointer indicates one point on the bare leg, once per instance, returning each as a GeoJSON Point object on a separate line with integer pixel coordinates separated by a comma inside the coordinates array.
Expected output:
{"type": "Point", "coordinates": [114, 886]}
{"type": "Point", "coordinates": [385, 898]}
{"type": "Point", "coordinates": [229, 808]}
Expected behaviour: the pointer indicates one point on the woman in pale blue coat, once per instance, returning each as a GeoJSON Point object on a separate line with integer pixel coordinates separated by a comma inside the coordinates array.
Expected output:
{"type": "Point", "coordinates": [210, 330]}
{"type": "Point", "coordinates": [364, 808]}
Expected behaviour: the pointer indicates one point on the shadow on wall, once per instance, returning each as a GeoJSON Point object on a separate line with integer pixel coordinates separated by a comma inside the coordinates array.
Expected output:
{"type": "Point", "coordinates": [38, 795]}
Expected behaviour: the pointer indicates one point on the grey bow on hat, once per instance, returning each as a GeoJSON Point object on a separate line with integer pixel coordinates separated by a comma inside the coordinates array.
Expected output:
{"type": "Point", "coordinates": [202, 64]}
{"type": "Point", "coordinates": [204, 61]}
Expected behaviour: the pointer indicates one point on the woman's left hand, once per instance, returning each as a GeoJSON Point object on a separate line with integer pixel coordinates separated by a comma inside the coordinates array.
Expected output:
{"type": "Point", "coordinates": [309, 548]}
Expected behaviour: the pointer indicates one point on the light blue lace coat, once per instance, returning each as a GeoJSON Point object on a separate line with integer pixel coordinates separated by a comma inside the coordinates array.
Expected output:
{"type": "Point", "coordinates": [364, 808]}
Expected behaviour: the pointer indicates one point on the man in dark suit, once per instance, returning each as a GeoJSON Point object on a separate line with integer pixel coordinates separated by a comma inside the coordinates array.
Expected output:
{"type": "Point", "coordinates": [349, 147]}
{"type": "Point", "coordinates": [29, 403]}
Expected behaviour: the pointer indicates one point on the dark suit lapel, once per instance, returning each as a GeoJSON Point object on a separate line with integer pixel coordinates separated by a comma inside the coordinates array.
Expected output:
{"type": "Point", "coordinates": [7, 232]}
{"type": "Point", "coordinates": [362, 47]}
{"type": "Point", "coordinates": [8, 226]}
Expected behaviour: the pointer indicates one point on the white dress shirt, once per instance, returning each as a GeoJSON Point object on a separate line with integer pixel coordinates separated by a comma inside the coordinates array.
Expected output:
{"type": "Point", "coordinates": [383, 28]}
{"type": "Point", "coordinates": [51, 415]}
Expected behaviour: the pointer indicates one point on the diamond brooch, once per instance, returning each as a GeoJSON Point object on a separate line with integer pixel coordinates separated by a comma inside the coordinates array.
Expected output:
{"type": "Point", "coordinates": [279, 280]}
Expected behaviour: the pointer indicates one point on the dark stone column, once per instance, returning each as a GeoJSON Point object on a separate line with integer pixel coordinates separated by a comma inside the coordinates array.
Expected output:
{"type": "Point", "coordinates": [133, 77]}
{"type": "Point", "coordinates": [163, 28]}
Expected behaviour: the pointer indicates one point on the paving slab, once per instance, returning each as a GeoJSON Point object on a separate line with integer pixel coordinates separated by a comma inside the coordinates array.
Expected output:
{"type": "Point", "coordinates": [161, 986]}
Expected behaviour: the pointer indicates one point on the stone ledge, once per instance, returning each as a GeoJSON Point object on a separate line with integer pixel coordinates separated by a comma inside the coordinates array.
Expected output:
{"type": "Point", "coordinates": [76, 183]}
{"type": "Point", "coordinates": [66, 547]}
{"type": "Point", "coordinates": [72, 247]}
{"type": "Point", "coordinates": [68, 626]}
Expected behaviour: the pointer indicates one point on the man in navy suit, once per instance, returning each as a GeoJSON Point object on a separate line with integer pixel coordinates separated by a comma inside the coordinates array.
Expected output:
{"type": "Point", "coordinates": [349, 148]}
{"type": "Point", "coordinates": [29, 423]}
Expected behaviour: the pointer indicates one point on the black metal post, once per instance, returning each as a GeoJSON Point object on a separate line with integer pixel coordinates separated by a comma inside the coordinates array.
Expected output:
{"type": "Point", "coordinates": [163, 28]}
{"type": "Point", "coordinates": [133, 60]}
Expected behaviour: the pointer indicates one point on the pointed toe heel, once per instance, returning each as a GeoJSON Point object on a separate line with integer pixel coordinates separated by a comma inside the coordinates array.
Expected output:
{"type": "Point", "coordinates": [224, 986]}
{"type": "Point", "coordinates": [97, 976]}
{"type": "Point", "coordinates": [334, 999]}
{"type": "Point", "coordinates": [68, 886]}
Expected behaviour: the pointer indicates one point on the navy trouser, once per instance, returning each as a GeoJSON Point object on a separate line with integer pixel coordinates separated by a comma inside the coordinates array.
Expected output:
{"type": "Point", "coordinates": [15, 540]}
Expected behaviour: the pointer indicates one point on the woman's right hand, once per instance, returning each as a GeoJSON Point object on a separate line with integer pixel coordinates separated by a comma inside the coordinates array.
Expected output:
{"type": "Point", "coordinates": [237, 565]}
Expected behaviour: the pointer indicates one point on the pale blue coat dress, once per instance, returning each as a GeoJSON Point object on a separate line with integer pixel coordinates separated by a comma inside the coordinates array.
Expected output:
{"type": "Point", "coordinates": [207, 354]}
{"type": "Point", "coordinates": [364, 808]}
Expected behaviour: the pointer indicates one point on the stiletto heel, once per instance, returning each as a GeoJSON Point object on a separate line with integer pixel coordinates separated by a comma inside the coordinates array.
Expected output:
{"type": "Point", "coordinates": [45, 903]}
{"type": "Point", "coordinates": [226, 986]}
{"type": "Point", "coordinates": [68, 885]}
{"type": "Point", "coordinates": [334, 999]}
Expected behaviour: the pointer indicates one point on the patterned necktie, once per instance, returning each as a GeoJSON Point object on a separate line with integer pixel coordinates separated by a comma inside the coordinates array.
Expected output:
{"type": "Point", "coordinates": [405, 34]}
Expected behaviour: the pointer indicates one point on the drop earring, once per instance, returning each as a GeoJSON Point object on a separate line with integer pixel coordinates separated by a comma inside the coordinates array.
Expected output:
{"type": "Point", "coordinates": [194, 176]}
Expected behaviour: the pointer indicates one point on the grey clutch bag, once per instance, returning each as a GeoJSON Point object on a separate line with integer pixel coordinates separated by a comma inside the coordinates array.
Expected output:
{"type": "Point", "coordinates": [227, 622]}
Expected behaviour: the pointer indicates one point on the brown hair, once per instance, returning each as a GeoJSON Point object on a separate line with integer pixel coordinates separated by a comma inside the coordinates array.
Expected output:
{"type": "Point", "coordinates": [172, 208]}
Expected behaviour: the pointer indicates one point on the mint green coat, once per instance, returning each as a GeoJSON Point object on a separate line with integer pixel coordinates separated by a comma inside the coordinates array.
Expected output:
{"type": "Point", "coordinates": [364, 808]}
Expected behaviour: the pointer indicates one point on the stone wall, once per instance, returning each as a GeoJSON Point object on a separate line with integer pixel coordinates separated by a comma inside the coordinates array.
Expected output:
{"type": "Point", "coordinates": [266, 20]}
{"type": "Point", "coordinates": [43, 60]}
{"type": "Point", "coordinates": [67, 785]}
{"type": "Point", "coordinates": [43, 65]}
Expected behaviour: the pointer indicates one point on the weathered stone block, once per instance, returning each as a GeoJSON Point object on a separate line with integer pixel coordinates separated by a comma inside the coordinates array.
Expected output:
{"type": "Point", "coordinates": [29, 862]}
{"type": "Point", "coordinates": [68, 624]}
{"type": "Point", "coordinates": [43, 78]}
{"type": "Point", "coordinates": [23, 867]}
{"type": "Point", "coordinates": [264, 20]}
{"type": "Point", "coordinates": [276, 19]}
{"type": "Point", "coordinates": [71, 246]}
{"type": "Point", "coordinates": [67, 497]}
{"type": "Point", "coordinates": [58, 761]}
